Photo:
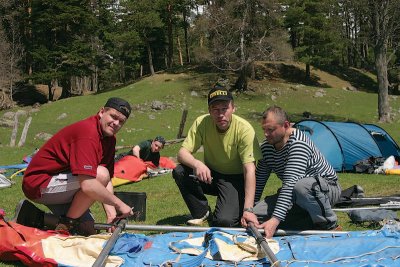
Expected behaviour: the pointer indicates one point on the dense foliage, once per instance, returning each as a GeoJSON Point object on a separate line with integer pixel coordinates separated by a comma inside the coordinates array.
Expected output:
{"type": "Point", "coordinates": [92, 45]}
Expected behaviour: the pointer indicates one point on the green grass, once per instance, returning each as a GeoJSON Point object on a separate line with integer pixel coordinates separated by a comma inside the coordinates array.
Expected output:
{"type": "Point", "coordinates": [164, 203]}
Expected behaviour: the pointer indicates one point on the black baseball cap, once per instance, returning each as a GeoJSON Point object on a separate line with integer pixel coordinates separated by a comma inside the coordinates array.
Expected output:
{"type": "Point", "coordinates": [119, 104]}
{"type": "Point", "coordinates": [219, 94]}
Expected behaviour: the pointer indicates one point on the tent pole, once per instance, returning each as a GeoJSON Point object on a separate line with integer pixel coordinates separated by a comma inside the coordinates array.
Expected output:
{"type": "Point", "coordinates": [264, 245]}
{"type": "Point", "coordinates": [384, 207]}
{"type": "Point", "coordinates": [170, 228]}
{"type": "Point", "coordinates": [100, 261]}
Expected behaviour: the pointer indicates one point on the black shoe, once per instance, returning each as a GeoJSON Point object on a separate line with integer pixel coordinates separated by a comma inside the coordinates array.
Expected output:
{"type": "Point", "coordinates": [26, 213]}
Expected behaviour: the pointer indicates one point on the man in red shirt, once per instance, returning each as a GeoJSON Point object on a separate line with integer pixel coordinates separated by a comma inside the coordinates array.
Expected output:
{"type": "Point", "coordinates": [73, 170]}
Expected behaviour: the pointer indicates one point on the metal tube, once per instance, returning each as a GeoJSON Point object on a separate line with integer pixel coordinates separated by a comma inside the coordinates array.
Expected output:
{"type": "Point", "coordinates": [388, 207]}
{"type": "Point", "coordinates": [264, 245]}
{"type": "Point", "coordinates": [100, 261]}
{"type": "Point", "coordinates": [170, 228]}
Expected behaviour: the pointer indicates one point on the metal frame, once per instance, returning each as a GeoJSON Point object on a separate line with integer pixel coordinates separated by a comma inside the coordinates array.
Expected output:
{"type": "Point", "coordinates": [264, 245]}
{"type": "Point", "coordinates": [101, 260]}
{"type": "Point", "coordinates": [170, 228]}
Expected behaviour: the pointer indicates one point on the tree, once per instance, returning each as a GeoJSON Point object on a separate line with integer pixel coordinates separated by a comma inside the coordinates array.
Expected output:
{"type": "Point", "coordinates": [313, 32]}
{"type": "Point", "coordinates": [11, 50]}
{"type": "Point", "coordinates": [240, 32]}
{"type": "Point", "coordinates": [384, 20]}
{"type": "Point", "coordinates": [61, 42]}
{"type": "Point", "coordinates": [143, 18]}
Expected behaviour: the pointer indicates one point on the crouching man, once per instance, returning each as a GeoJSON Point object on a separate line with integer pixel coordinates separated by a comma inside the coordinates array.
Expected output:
{"type": "Point", "coordinates": [72, 170]}
{"type": "Point", "coordinates": [310, 185]}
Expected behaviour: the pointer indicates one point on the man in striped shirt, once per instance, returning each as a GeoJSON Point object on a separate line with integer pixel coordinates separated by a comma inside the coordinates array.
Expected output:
{"type": "Point", "coordinates": [309, 183]}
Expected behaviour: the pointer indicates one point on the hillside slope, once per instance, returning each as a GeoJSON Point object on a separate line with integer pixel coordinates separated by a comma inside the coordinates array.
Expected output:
{"type": "Point", "coordinates": [158, 103]}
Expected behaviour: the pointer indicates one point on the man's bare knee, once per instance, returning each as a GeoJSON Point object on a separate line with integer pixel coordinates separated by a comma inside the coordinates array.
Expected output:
{"type": "Point", "coordinates": [103, 175]}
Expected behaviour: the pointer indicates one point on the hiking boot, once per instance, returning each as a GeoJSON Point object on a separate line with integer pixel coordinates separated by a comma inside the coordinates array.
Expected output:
{"type": "Point", "coordinates": [67, 224]}
{"type": "Point", "coordinates": [200, 221]}
{"type": "Point", "coordinates": [26, 213]}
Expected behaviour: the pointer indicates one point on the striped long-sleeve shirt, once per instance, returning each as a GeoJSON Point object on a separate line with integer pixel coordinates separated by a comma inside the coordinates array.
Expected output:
{"type": "Point", "coordinates": [298, 158]}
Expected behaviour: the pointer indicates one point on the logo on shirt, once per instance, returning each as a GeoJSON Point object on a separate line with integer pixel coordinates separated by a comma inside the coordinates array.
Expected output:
{"type": "Point", "coordinates": [87, 167]}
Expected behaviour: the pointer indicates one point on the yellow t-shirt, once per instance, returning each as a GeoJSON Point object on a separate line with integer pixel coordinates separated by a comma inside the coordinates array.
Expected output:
{"type": "Point", "coordinates": [224, 152]}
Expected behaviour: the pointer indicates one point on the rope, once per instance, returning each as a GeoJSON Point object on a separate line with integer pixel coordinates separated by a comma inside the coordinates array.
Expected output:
{"type": "Point", "coordinates": [342, 258]}
{"type": "Point", "coordinates": [16, 173]}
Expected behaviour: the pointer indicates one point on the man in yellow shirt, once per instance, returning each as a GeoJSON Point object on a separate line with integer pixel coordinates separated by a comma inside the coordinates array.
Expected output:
{"type": "Point", "coordinates": [231, 149]}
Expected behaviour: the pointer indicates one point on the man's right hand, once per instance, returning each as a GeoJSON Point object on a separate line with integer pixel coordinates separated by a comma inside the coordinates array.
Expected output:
{"type": "Point", "coordinates": [125, 211]}
{"type": "Point", "coordinates": [270, 227]}
{"type": "Point", "coordinates": [202, 172]}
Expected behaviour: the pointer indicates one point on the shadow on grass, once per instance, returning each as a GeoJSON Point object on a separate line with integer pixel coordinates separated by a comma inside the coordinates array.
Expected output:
{"type": "Point", "coordinates": [356, 78]}
{"type": "Point", "coordinates": [174, 220]}
{"type": "Point", "coordinates": [287, 72]}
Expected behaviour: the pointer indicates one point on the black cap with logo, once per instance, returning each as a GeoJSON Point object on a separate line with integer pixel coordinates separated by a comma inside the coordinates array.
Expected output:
{"type": "Point", "coordinates": [120, 105]}
{"type": "Point", "coordinates": [219, 93]}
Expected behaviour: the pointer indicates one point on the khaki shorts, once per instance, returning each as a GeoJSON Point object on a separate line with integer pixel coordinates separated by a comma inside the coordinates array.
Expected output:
{"type": "Point", "coordinates": [60, 192]}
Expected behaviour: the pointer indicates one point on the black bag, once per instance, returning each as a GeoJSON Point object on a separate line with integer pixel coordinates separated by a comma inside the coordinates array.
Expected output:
{"type": "Point", "coordinates": [371, 216]}
{"type": "Point", "coordinates": [368, 165]}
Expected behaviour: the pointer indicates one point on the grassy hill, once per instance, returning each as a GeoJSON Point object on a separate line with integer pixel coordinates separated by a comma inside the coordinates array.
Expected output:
{"type": "Point", "coordinates": [347, 95]}
{"type": "Point", "coordinates": [329, 98]}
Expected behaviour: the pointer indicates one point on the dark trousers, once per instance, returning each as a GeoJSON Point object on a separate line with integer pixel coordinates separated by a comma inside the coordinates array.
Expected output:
{"type": "Point", "coordinates": [229, 190]}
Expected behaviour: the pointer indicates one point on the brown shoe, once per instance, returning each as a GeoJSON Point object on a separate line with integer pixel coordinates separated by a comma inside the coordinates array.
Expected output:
{"type": "Point", "coordinates": [337, 228]}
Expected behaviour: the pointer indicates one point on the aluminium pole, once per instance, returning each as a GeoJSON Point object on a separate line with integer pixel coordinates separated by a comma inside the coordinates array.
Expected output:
{"type": "Point", "coordinates": [100, 261]}
{"type": "Point", "coordinates": [171, 228]}
{"type": "Point", "coordinates": [264, 245]}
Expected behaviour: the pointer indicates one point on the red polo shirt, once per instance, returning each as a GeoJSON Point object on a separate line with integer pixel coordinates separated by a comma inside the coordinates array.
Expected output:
{"type": "Point", "coordinates": [78, 148]}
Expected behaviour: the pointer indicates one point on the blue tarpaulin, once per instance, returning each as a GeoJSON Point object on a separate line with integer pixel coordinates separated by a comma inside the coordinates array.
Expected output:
{"type": "Point", "coordinates": [374, 248]}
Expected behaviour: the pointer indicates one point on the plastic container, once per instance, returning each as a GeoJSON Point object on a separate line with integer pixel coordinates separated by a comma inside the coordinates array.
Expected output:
{"type": "Point", "coordinates": [137, 200]}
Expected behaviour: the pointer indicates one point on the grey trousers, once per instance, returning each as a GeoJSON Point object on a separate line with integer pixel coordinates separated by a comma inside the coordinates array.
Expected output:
{"type": "Point", "coordinates": [311, 207]}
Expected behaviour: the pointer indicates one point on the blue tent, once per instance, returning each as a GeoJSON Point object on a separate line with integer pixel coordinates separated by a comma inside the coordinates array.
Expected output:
{"type": "Point", "coordinates": [345, 143]}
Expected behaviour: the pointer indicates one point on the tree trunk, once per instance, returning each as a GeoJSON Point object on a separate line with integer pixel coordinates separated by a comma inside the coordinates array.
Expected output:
{"type": "Point", "coordinates": [308, 72]}
{"type": "Point", "coordinates": [150, 58]}
{"type": "Point", "coordinates": [383, 94]}
{"type": "Point", "coordinates": [180, 51]}
{"type": "Point", "coordinates": [95, 79]}
{"type": "Point", "coordinates": [170, 57]}
{"type": "Point", "coordinates": [241, 82]}
{"type": "Point", "coordinates": [53, 84]}
{"type": "Point", "coordinates": [185, 30]}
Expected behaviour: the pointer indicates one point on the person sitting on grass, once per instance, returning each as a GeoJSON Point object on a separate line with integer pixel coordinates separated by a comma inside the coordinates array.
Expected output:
{"type": "Point", "coordinates": [310, 185]}
{"type": "Point", "coordinates": [231, 149]}
{"type": "Point", "coordinates": [149, 150]}
{"type": "Point", "coordinates": [72, 170]}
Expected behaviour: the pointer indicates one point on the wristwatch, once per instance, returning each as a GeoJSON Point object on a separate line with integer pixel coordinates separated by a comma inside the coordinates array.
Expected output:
{"type": "Point", "coordinates": [248, 210]}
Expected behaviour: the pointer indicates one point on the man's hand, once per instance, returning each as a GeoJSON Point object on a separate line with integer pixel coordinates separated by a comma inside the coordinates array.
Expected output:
{"type": "Point", "coordinates": [125, 211]}
{"type": "Point", "coordinates": [270, 227]}
{"type": "Point", "coordinates": [112, 218]}
{"type": "Point", "coordinates": [248, 217]}
{"type": "Point", "coordinates": [202, 172]}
